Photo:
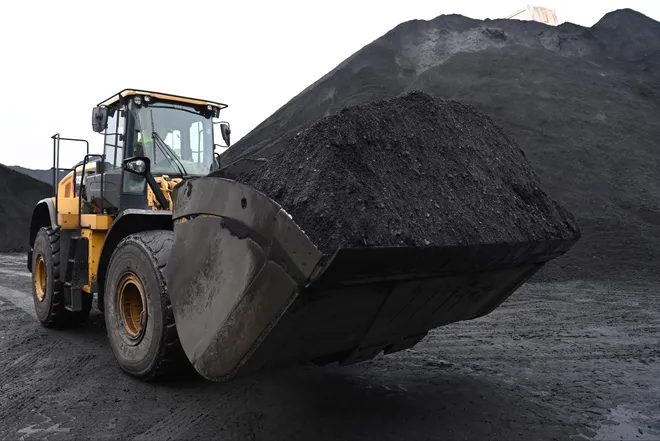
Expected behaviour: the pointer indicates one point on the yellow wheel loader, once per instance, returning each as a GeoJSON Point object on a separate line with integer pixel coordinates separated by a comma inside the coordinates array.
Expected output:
{"type": "Point", "coordinates": [194, 269]}
{"type": "Point", "coordinates": [109, 229]}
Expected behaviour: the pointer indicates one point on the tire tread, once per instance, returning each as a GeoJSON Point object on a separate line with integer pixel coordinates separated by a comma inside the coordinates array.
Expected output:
{"type": "Point", "coordinates": [171, 359]}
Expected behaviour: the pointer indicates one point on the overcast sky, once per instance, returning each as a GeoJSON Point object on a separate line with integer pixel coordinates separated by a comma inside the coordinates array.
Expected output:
{"type": "Point", "coordinates": [60, 58]}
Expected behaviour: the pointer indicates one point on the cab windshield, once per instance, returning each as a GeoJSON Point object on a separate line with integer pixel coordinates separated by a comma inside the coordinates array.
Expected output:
{"type": "Point", "coordinates": [176, 138]}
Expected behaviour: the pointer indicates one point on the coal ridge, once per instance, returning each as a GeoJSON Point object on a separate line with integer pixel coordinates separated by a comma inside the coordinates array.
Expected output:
{"type": "Point", "coordinates": [43, 175]}
{"type": "Point", "coordinates": [410, 171]}
{"type": "Point", "coordinates": [19, 195]}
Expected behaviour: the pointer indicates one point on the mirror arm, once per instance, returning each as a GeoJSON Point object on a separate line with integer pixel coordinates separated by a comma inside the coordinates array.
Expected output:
{"type": "Point", "coordinates": [158, 192]}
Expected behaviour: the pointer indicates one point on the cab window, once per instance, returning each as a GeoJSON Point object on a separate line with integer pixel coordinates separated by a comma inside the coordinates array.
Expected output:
{"type": "Point", "coordinates": [114, 137]}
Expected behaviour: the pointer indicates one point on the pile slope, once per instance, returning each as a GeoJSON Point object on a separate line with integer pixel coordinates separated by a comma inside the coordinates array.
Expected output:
{"type": "Point", "coordinates": [39, 174]}
{"type": "Point", "coordinates": [410, 171]}
{"type": "Point", "coordinates": [19, 194]}
{"type": "Point", "coordinates": [582, 103]}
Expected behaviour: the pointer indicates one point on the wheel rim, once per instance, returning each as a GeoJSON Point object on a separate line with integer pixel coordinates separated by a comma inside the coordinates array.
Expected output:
{"type": "Point", "coordinates": [132, 304]}
{"type": "Point", "coordinates": [40, 278]}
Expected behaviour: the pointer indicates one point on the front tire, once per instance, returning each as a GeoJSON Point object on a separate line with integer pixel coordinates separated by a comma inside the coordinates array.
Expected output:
{"type": "Point", "coordinates": [138, 314]}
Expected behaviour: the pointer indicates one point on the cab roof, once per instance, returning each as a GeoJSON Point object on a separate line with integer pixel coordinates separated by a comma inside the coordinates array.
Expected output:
{"type": "Point", "coordinates": [162, 96]}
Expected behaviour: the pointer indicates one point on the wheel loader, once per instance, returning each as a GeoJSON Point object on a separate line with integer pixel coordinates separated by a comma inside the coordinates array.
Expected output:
{"type": "Point", "coordinates": [192, 268]}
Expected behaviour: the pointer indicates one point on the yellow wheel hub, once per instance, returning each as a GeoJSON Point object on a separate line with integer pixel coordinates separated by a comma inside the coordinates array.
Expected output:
{"type": "Point", "coordinates": [131, 302]}
{"type": "Point", "coordinates": [40, 278]}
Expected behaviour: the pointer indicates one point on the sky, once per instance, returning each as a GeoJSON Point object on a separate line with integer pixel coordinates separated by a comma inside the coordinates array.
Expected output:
{"type": "Point", "coordinates": [59, 59]}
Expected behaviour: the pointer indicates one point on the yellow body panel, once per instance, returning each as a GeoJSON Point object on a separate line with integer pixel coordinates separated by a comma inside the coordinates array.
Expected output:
{"type": "Point", "coordinates": [67, 205]}
{"type": "Point", "coordinates": [67, 211]}
{"type": "Point", "coordinates": [95, 240]}
{"type": "Point", "coordinates": [97, 221]}
{"type": "Point", "coordinates": [67, 215]}
{"type": "Point", "coordinates": [68, 221]}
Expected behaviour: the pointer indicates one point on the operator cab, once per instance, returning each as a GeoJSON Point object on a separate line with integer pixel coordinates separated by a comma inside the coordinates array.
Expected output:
{"type": "Point", "coordinates": [151, 138]}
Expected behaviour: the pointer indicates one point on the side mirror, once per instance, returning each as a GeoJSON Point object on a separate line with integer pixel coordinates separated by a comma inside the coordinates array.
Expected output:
{"type": "Point", "coordinates": [225, 131]}
{"type": "Point", "coordinates": [99, 119]}
{"type": "Point", "coordinates": [139, 165]}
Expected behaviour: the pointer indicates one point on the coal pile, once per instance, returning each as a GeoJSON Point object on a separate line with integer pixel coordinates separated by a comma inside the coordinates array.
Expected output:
{"type": "Point", "coordinates": [582, 103]}
{"type": "Point", "coordinates": [410, 171]}
{"type": "Point", "coordinates": [18, 196]}
{"type": "Point", "coordinates": [40, 174]}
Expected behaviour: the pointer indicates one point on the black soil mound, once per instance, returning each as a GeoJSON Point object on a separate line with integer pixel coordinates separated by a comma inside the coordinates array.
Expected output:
{"type": "Point", "coordinates": [582, 103]}
{"type": "Point", "coordinates": [410, 171]}
{"type": "Point", "coordinates": [18, 196]}
{"type": "Point", "coordinates": [40, 175]}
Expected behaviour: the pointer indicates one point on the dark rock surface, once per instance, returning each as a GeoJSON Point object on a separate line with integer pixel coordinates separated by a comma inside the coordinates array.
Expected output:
{"type": "Point", "coordinates": [410, 171]}
{"type": "Point", "coordinates": [582, 103]}
{"type": "Point", "coordinates": [19, 194]}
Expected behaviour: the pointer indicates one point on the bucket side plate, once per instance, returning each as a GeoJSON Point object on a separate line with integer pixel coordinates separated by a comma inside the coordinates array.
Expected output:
{"type": "Point", "coordinates": [236, 264]}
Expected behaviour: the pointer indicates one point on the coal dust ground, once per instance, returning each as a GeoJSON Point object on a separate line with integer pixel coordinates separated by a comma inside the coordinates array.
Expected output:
{"type": "Point", "coordinates": [572, 360]}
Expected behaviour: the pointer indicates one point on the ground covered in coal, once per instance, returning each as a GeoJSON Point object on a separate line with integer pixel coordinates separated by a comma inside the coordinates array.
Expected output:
{"type": "Point", "coordinates": [410, 171]}
{"type": "Point", "coordinates": [19, 194]}
{"type": "Point", "coordinates": [582, 103]}
{"type": "Point", "coordinates": [557, 361]}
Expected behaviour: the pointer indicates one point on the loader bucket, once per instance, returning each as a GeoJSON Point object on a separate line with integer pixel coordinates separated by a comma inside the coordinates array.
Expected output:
{"type": "Point", "coordinates": [249, 290]}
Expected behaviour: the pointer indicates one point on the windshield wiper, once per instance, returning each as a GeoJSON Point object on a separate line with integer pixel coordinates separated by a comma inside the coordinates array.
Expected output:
{"type": "Point", "coordinates": [169, 154]}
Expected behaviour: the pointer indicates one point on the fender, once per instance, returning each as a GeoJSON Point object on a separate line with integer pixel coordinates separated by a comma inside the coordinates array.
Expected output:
{"type": "Point", "coordinates": [44, 214]}
{"type": "Point", "coordinates": [128, 222]}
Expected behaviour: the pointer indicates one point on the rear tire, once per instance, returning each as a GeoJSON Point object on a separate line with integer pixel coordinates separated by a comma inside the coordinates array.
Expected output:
{"type": "Point", "coordinates": [138, 314]}
{"type": "Point", "coordinates": [46, 285]}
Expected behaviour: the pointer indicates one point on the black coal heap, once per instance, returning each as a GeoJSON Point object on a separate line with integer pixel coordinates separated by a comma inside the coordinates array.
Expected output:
{"type": "Point", "coordinates": [410, 171]}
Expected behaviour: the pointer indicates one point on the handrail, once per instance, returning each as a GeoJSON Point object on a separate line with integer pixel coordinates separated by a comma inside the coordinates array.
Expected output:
{"type": "Point", "coordinates": [56, 167]}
